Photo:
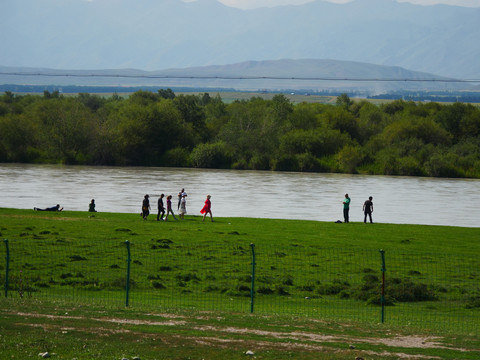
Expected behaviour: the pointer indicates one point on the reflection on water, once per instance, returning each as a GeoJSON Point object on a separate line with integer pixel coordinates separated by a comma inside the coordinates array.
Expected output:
{"type": "Point", "coordinates": [261, 194]}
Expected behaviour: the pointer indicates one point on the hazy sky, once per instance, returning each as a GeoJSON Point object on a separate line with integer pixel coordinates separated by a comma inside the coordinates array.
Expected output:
{"type": "Point", "coordinates": [249, 4]}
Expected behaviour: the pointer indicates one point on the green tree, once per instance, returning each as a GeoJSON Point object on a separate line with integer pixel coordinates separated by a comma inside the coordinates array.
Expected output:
{"type": "Point", "coordinates": [192, 112]}
{"type": "Point", "coordinates": [66, 129]}
{"type": "Point", "coordinates": [166, 93]}
{"type": "Point", "coordinates": [349, 158]}
{"type": "Point", "coordinates": [215, 155]}
{"type": "Point", "coordinates": [145, 133]}
{"type": "Point", "coordinates": [344, 101]}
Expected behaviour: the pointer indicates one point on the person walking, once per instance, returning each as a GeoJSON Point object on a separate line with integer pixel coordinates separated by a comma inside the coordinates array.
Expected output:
{"type": "Point", "coordinates": [169, 208]}
{"type": "Point", "coordinates": [207, 208]}
{"type": "Point", "coordinates": [368, 209]}
{"type": "Point", "coordinates": [346, 209]}
{"type": "Point", "coordinates": [161, 209]}
{"type": "Point", "coordinates": [145, 207]}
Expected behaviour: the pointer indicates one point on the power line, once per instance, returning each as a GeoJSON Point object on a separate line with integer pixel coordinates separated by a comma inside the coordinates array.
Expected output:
{"type": "Point", "coordinates": [214, 77]}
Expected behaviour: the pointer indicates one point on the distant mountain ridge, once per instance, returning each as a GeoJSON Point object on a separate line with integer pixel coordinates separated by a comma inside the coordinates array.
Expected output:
{"type": "Point", "coordinates": [160, 34]}
{"type": "Point", "coordinates": [310, 74]}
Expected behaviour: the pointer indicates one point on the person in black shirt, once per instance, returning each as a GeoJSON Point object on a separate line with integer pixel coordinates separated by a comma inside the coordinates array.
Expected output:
{"type": "Point", "coordinates": [53, 208]}
{"type": "Point", "coordinates": [161, 209]}
{"type": "Point", "coordinates": [368, 209]}
{"type": "Point", "coordinates": [145, 207]}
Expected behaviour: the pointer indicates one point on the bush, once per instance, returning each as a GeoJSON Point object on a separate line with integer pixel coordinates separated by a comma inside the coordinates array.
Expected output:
{"type": "Point", "coordinates": [473, 302]}
{"type": "Point", "coordinates": [333, 288]}
{"type": "Point", "coordinates": [265, 290]}
{"type": "Point", "coordinates": [158, 285]}
{"type": "Point", "coordinates": [120, 283]}
{"type": "Point", "coordinates": [177, 157]}
{"type": "Point", "coordinates": [215, 155]}
{"type": "Point", "coordinates": [187, 277]}
{"type": "Point", "coordinates": [285, 163]}
{"type": "Point", "coordinates": [407, 291]}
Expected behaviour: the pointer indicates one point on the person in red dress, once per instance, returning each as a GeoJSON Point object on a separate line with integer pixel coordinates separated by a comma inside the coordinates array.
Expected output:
{"type": "Point", "coordinates": [207, 208]}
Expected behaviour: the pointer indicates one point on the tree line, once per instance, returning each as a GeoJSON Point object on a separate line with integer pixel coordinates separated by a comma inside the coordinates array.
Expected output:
{"type": "Point", "coordinates": [165, 129]}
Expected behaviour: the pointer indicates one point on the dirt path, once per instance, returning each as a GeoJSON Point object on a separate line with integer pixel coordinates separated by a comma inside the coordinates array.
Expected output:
{"type": "Point", "coordinates": [219, 336]}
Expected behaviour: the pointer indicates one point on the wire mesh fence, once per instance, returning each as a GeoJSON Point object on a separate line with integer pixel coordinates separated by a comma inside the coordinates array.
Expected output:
{"type": "Point", "coordinates": [438, 292]}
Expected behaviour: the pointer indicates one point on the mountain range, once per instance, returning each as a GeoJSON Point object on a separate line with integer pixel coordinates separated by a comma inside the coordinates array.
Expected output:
{"type": "Point", "coordinates": [172, 34]}
{"type": "Point", "coordinates": [310, 75]}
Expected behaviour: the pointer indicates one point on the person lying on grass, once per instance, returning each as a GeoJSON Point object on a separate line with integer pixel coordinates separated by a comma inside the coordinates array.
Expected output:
{"type": "Point", "coordinates": [53, 208]}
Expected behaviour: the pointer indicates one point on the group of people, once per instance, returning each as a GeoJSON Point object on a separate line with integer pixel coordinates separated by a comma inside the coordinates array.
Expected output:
{"type": "Point", "coordinates": [181, 207]}
{"type": "Point", "coordinates": [367, 209]}
{"type": "Point", "coordinates": [207, 208]}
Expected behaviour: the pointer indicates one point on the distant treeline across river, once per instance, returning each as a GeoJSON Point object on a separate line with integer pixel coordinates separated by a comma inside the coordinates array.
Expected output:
{"type": "Point", "coordinates": [161, 128]}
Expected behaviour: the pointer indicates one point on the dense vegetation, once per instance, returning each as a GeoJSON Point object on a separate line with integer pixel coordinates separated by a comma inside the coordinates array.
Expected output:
{"type": "Point", "coordinates": [165, 129]}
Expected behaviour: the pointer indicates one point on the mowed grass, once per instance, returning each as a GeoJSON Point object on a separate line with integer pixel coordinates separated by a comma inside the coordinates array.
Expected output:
{"type": "Point", "coordinates": [310, 274]}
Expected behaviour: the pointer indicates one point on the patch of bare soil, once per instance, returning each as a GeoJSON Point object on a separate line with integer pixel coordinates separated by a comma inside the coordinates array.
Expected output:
{"type": "Point", "coordinates": [296, 339]}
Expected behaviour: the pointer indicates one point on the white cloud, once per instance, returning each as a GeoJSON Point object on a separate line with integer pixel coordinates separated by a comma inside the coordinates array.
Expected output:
{"type": "Point", "coordinates": [250, 4]}
{"type": "Point", "coordinates": [466, 3]}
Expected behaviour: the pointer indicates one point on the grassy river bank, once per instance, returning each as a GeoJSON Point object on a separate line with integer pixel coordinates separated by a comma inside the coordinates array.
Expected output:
{"type": "Point", "coordinates": [316, 288]}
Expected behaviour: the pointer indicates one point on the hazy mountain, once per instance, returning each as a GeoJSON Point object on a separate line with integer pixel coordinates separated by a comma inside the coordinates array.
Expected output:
{"type": "Point", "coordinates": [306, 74]}
{"type": "Point", "coordinates": [159, 34]}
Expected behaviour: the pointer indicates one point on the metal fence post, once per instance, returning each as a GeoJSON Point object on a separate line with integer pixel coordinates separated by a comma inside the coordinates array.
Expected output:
{"type": "Point", "coordinates": [7, 262]}
{"type": "Point", "coordinates": [127, 285]}
{"type": "Point", "coordinates": [252, 290]}
{"type": "Point", "coordinates": [382, 298]}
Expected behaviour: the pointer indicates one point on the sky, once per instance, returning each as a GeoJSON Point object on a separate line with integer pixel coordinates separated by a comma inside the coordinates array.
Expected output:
{"type": "Point", "coordinates": [250, 4]}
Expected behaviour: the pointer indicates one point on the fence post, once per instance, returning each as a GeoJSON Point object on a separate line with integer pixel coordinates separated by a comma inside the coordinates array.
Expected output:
{"type": "Point", "coordinates": [7, 262]}
{"type": "Point", "coordinates": [127, 285]}
{"type": "Point", "coordinates": [382, 298]}
{"type": "Point", "coordinates": [252, 290]}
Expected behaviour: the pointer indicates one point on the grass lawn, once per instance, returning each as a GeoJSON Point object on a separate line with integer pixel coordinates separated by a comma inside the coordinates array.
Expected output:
{"type": "Point", "coordinates": [316, 285]}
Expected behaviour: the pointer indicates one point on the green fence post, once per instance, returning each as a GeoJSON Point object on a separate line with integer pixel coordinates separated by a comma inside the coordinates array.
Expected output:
{"type": "Point", "coordinates": [127, 286]}
{"type": "Point", "coordinates": [7, 261]}
{"type": "Point", "coordinates": [252, 290]}
{"type": "Point", "coordinates": [382, 298]}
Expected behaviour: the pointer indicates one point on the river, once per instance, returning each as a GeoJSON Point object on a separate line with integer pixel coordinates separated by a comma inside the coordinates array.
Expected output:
{"type": "Point", "coordinates": [263, 194]}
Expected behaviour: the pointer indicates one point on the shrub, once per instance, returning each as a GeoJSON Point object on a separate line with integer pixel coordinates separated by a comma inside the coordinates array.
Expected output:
{"type": "Point", "coordinates": [215, 155]}
{"type": "Point", "coordinates": [158, 285]}
{"type": "Point", "coordinates": [211, 288]}
{"type": "Point", "coordinates": [265, 290]}
{"type": "Point", "coordinates": [333, 288]}
{"type": "Point", "coordinates": [187, 277]}
{"type": "Point", "coordinates": [177, 157]}
{"type": "Point", "coordinates": [280, 290]}
{"type": "Point", "coordinates": [120, 283]}
{"type": "Point", "coordinates": [473, 302]}
{"type": "Point", "coordinates": [77, 258]}
{"type": "Point", "coordinates": [407, 291]}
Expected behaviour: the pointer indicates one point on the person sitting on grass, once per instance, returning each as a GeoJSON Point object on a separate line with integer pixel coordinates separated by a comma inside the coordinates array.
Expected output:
{"type": "Point", "coordinates": [53, 208]}
{"type": "Point", "coordinates": [91, 206]}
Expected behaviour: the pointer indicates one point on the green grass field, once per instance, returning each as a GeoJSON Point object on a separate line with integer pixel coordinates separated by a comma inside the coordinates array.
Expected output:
{"type": "Point", "coordinates": [316, 285]}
